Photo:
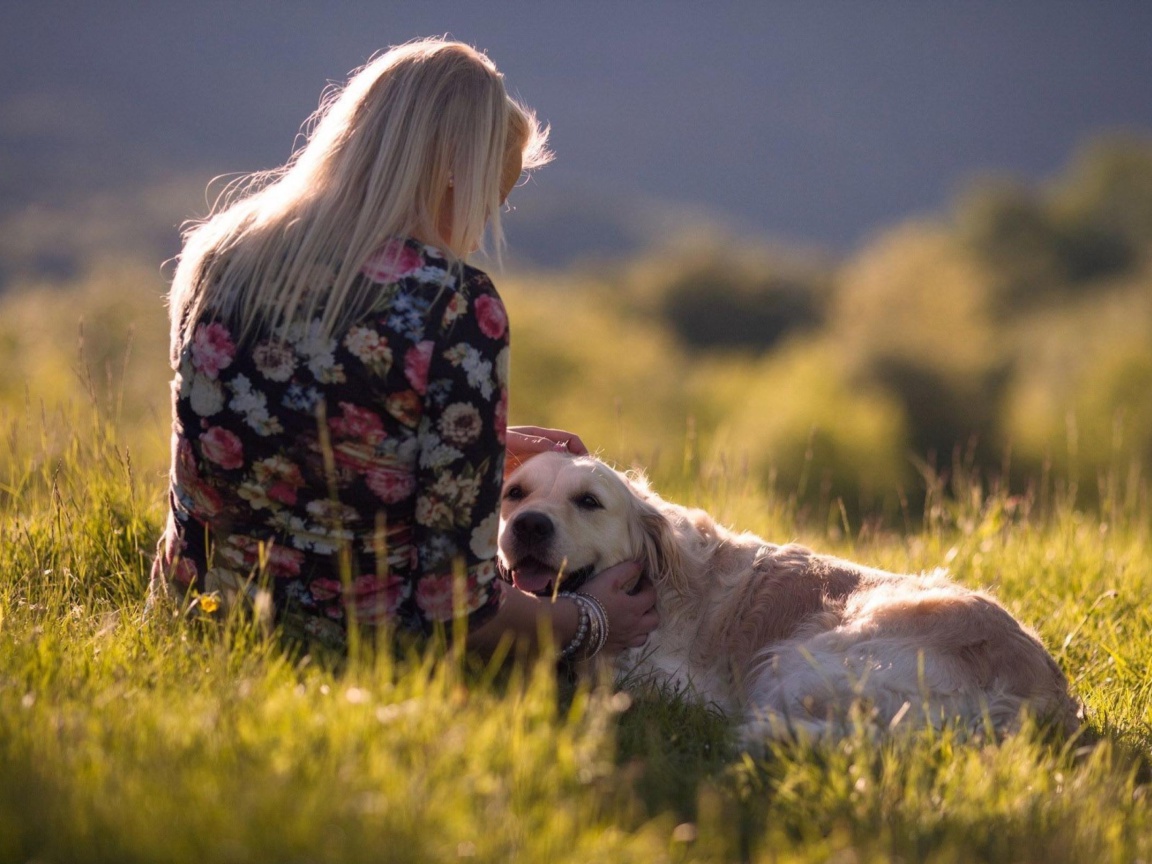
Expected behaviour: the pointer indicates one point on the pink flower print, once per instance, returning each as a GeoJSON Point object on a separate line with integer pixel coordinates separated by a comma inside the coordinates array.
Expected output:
{"type": "Point", "coordinates": [390, 484]}
{"type": "Point", "coordinates": [354, 455]}
{"type": "Point", "coordinates": [325, 589]}
{"type": "Point", "coordinates": [174, 544]}
{"type": "Point", "coordinates": [391, 262]}
{"type": "Point", "coordinates": [358, 423]}
{"type": "Point", "coordinates": [212, 349]}
{"type": "Point", "coordinates": [279, 478]}
{"type": "Point", "coordinates": [172, 563]}
{"type": "Point", "coordinates": [376, 598]}
{"type": "Point", "coordinates": [491, 317]}
{"type": "Point", "coordinates": [184, 571]}
{"type": "Point", "coordinates": [222, 447]}
{"type": "Point", "coordinates": [416, 363]}
{"type": "Point", "coordinates": [285, 493]}
{"type": "Point", "coordinates": [284, 563]}
{"type": "Point", "coordinates": [248, 554]}
{"type": "Point", "coordinates": [434, 597]}
{"type": "Point", "coordinates": [202, 500]}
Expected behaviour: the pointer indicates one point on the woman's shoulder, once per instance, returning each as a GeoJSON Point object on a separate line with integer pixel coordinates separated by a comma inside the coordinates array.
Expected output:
{"type": "Point", "coordinates": [411, 263]}
{"type": "Point", "coordinates": [408, 261]}
{"type": "Point", "coordinates": [415, 290]}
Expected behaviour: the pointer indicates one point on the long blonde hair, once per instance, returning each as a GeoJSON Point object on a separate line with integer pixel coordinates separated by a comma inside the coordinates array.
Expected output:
{"type": "Point", "coordinates": [383, 152]}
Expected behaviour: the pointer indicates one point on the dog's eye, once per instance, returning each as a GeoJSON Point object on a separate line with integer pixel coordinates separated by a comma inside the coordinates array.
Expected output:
{"type": "Point", "coordinates": [513, 493]}
{"type": "Point", "coordinates": [588, 501]}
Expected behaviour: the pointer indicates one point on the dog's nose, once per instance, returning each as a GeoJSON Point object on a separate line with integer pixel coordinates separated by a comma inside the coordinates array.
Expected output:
{"type": "Point", "coordinates": [532, 527]}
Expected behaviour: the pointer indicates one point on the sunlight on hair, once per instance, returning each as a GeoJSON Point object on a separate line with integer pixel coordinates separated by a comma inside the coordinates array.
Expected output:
{"type": "Point", "coordinates": [413, 145]}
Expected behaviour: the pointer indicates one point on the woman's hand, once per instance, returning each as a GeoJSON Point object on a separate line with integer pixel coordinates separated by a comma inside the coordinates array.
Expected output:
{"type": "Point", "coordinates": [631, 616]}
{"type": "Point", "coordinates": [524, 442]}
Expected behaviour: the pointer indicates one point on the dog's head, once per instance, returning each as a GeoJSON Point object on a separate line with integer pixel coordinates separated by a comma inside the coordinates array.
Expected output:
{"type": "Point", "coordinates": [572, 516]}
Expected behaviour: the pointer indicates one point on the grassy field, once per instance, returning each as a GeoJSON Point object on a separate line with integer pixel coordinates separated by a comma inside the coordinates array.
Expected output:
{"type": "Point", "coordinates": [805, 399]}
{"type": "Point", "coordinates": [131, 736]}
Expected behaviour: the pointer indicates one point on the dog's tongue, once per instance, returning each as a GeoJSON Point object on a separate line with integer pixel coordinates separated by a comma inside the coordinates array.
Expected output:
{"type": "Point", "coordinates": [532, 576]}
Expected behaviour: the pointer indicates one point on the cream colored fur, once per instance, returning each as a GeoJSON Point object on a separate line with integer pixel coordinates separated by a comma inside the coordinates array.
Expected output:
{"type": "Point", "coordinates": [788, 639]}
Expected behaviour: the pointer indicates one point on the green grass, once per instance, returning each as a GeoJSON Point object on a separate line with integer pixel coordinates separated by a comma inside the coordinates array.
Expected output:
{"type": "Point", "coordinates": [134, 736]}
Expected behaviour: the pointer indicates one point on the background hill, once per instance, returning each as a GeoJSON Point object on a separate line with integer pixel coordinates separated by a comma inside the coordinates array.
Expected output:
{"type": "Point", "coordinates": [847, 250]}
{"type": "Point", "coordinates": [1009, 338]}
{"type": "Point", "coordinates": [818, 123]}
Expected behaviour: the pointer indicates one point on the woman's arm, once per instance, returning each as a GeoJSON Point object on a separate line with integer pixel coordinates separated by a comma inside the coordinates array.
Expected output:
{"type": "Point", "coordinates": [524, 617]}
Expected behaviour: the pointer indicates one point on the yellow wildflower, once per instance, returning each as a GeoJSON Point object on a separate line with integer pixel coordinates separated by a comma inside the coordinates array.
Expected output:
{"type": "Point", "coordinates": [210, 602]}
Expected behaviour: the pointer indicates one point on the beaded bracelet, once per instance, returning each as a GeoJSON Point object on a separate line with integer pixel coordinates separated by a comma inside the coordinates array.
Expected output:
{"type": "Point", "coordinates": [593, 626]}
{"type": "Point", "coordinates": [581, 627]}
{"type": "Point", "coordinates": [600, 613]}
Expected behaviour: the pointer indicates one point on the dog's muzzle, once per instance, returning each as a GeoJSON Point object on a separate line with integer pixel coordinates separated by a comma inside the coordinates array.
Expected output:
{"type": "Point", "coordinates": [532, 566]}
{"type": "Point", "coordinates": [532, 529]}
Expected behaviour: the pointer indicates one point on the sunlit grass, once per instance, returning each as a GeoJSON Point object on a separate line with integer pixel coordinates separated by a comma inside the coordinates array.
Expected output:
{"type": "Point", "coordinates": [127, 735]}
{"type": "Point", "coordinates": [134, 736]}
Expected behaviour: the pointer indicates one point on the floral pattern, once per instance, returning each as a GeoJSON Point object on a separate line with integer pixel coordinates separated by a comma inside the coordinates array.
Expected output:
{"type": "Point", "coordinates": [354, 474]}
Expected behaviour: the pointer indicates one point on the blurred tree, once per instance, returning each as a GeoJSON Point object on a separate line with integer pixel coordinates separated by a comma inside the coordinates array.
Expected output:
{"type": "Point", "coordinates": [1045, 246]}
{"type": "Point", "coordinates": [100, 339]}
{"type": "Point", "coordinates": [913, 317]}
{"type": "Point", "coordinates": [1009, 229]}
{"type": "Point", "coordinates": [714, 310]}
{"type": "Point", "coordinates": [1107, 199]}
{"type": "Point", "coordinates": [720, 300]}
{"type": "Point", "coordinates": [801, 425]}
{"type": "Point", "coordinates": [1025, 322]}
{"type": "Point", "coordinates": [1081, 397]}
{"type": "Point", "coordinates": [578, 364]}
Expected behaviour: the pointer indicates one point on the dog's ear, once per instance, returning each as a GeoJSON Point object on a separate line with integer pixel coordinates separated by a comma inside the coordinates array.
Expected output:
{"type": "Point", "coordinates": [656, 538]}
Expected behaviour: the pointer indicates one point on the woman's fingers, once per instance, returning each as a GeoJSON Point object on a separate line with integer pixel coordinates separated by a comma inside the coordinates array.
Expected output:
{"type": "Point", "coordinates": [575, 446]}
{"type": "Point", "coordinates": [629, 600]}
{"type": "Point", "coordinates": [525, 441]}
{"type": "Point", "coordinates": [624, 576]}
{"type": "Point", "coordinates": [644, 591]}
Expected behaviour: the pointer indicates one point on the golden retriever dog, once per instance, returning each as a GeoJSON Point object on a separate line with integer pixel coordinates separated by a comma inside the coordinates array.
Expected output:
{"type": "Point", "coordinates": [790, 640]}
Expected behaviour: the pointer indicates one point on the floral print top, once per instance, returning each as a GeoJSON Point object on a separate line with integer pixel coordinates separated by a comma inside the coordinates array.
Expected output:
{"type": "Point", "coordinates": [353, 476]}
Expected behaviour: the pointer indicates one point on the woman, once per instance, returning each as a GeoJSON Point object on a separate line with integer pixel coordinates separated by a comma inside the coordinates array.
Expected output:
{"type": "Point", "coordinates": [340, 393]}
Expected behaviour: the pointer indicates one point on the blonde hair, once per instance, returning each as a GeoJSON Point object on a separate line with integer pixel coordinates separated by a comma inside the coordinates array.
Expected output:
{"type": "Point", "coordinates": [422, 119]}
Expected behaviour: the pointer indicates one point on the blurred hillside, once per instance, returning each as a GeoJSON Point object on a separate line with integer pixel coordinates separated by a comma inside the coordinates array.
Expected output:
{"type": "Point", "coordinates": [822, 121]}
{"type": "Point", "coordinates": [1010, 335]}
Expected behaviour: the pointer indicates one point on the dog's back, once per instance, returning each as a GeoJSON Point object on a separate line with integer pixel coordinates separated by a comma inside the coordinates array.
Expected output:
{"type": "Point", "coordinates": [796, 640]}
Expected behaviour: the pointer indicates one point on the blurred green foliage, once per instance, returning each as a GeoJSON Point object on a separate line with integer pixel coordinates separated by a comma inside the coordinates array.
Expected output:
{"type": "Point", "coordinates": [1011, 336]}
{"type": "Point", "coordinates": [1041, 246]}
{"type": "Point", "coordinates": [721, 300]}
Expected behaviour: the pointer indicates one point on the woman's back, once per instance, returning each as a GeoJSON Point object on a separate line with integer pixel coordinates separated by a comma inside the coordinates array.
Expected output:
{"type": "Point", "coordinates": [349, 474]}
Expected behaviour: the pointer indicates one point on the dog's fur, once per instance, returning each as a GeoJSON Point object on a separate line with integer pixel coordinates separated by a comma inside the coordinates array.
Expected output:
{"type": "Point", "coordinates": [790, 639]}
